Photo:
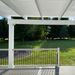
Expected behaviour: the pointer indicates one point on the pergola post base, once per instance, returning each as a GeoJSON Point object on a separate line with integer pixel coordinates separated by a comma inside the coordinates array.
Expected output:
{"type": "Point", "coordinates": [10, 67]}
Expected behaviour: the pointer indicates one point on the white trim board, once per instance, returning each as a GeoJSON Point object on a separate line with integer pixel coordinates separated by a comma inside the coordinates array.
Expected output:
{"type": "Point", "coordinates": [42, 22]}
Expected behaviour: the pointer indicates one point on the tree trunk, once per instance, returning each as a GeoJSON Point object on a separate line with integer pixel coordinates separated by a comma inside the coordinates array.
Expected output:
{"type": "Point", "coordinates": [23, 40]}
{"type": "Point", "coordinates": [52, 38]}
{"type": "Point", "coordinates": [70, 38]}
{"type": "Point", "coordinates": [60, 38]}
{"type": "Point", "coordinates": [46, 32]}
{"type": "Point", "coordinates": [4, 39]}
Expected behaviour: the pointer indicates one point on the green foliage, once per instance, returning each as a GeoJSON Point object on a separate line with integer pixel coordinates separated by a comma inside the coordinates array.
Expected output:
{"type": "Point", "coordinates": [40, 32]}
{"type": "Point", "coordinates": [32, 30]}
{"type": "Point", "coordinates": [3, 29]}
{"type": "Point", "coordinates": [29, 32]}
{"type": "Point", "coordinates": [55, 18]}
{"type": "Point", "coordinates": [34, 18]}
{"type": "Point", "coordinates": [47, 18]}
{"type": "Point", "coordinates": [71, 30]}
{"type": "Point", "coordinates": [54, 31]}
{"type": "Point", "coordinates": [63, 32]}
{"type": "Point", "coordinates": [17, 18]}
{"type": "Point", "coordinates": [64, 18]}
{"type": "Point", "coordinates": [21, 31]}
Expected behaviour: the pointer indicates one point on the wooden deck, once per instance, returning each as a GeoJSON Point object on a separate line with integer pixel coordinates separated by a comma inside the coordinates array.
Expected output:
{"type": "Point", "coordinates": [62, 70]}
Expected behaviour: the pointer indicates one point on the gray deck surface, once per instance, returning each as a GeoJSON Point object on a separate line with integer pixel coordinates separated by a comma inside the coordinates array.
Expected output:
{"type": "Point", "coordinates": [62, 70]}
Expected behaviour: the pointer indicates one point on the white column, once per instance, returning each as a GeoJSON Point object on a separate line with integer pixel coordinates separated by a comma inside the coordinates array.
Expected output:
{"type": "Point", "coordinates": [11, 46]}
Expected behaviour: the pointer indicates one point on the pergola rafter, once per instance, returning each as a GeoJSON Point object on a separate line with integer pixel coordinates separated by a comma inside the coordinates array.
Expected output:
{"type": "Point", "coordinates": [39, 9]}
{"type": "Point", "coordinates": [65, 8]}
{"type": "Point", "coordinates": [13, 7]}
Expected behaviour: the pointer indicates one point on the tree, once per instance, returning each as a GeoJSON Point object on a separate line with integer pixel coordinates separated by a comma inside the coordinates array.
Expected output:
{"type": "Point", "coordinates": [46, 32]}
{"type": "Point", "coordinates": [71, 30]}
{"type": "Point", "coordinates": [54, 31]}
{"type": "Point", "coordinates": [32, 31]}
{"type": "Point", "coordinates": [21, 31]}
{"type": "Point", "coordinates": [3, 29]}
{"type": "Point", "coordinates": [64, 32]}
{"type": "Point", "coordinates": [40, 33]}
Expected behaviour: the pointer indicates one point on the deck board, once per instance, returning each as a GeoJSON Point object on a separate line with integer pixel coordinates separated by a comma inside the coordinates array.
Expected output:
{"type": "Point", "coordinates": [63, 70]}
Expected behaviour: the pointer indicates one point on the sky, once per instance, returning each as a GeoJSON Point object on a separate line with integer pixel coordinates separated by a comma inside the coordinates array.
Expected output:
{"type": "Point", "coordinates": [1, 17]}
{"type": "Point", "coordinates": [69, 18]}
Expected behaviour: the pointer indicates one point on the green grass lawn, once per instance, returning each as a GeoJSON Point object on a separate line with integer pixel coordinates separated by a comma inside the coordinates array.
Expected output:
{"type": "Point", "coordinates": [67, 48]}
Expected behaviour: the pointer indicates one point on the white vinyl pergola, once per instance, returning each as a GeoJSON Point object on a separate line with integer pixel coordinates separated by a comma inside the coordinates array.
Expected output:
{"type": "Point", "coordinates": [35, 8]}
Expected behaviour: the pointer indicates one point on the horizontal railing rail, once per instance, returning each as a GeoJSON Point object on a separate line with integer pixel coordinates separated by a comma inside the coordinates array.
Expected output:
{"type": "Point", "coordinates": [4, 49]}
{"type": "Point", "coordinates": [38, 49]}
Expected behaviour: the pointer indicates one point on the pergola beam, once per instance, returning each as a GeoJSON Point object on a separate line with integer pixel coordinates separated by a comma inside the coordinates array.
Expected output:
{"type": "Point", "coordinates": [65, 8]}
{"type": "Point", "coordinates": [39, 9]}
{"type": "Point", "coordinates": [13, 7]}
{"type": "Point", "coordinates": [44, 22]}
{"type": "Point", "coordinates": [5, 15]}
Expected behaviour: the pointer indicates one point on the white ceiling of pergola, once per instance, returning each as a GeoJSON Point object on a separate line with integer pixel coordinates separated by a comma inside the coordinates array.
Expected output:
{"type": "Point", "coordinates": [37, 8]}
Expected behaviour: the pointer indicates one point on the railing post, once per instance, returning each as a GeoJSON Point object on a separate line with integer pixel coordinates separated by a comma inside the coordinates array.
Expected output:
{"type": "Point", "coordinates": [11, 46]}
{"type": "Point", "coordinates": [57, 57]}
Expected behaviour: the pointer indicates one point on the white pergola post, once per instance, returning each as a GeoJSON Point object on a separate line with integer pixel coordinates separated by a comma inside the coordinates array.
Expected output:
{"type": "Point", "coordinates": [11, 46]}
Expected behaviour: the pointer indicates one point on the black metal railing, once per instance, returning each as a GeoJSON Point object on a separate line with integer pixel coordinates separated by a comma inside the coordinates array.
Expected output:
{"type": "Point", "coordinates": [35, 56]}
{"type": "Point", "coordinates": [31, 57]}
{"type": "Point", "coordinates": [3, 57]}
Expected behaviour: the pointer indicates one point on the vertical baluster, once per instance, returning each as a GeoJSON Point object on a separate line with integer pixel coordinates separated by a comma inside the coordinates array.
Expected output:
{"type": "Point", "coordinates": [19, 57]}
{"type": "Point", "coordinates": [14, 58]}
{"type": "Point", "coordinates": [23, 57]}
{"type": "Point", "coordinates": [53, 56]}
{"type": "Point", "coordinates": [32, 58]}
{"type": "Point", "coordinates": [3, 57]}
